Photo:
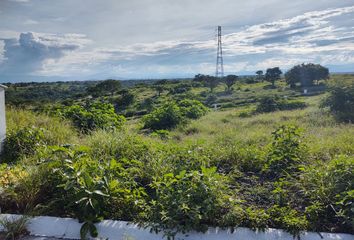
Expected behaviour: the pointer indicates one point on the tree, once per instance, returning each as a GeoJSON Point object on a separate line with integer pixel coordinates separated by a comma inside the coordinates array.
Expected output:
{"type": "Point", "coordinates": [108, 86]}
{"type": "Point", "coordinates": [306, 74]}
{"type": "Point", "coordinates": [208, 81]}
{"type": "Point", "coordinates": [341, 101]}
{"type": "Point", "coordinates": [272, 75]}
{"type": "Point", "coordinates": [159, 89]}
{"type": "Point", "coordinates": [230, 80]}
{"type": "Point", "coordinates": [260, 76]}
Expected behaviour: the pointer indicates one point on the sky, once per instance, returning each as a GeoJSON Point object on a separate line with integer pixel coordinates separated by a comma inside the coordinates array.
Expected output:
{"type": "Point", "coordinates": [52, 40]}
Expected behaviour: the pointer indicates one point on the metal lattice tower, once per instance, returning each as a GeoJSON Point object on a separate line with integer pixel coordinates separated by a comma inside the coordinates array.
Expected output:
{"type": "Point", "coordinates": [219, 60]}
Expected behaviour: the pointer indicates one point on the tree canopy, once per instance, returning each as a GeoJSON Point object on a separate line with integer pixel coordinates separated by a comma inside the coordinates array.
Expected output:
{"type": "Point", "coordinates": [306, 74]}
{"type": "Point", "coordinates": [230, 80]}
{"type": "Point", "coordinates": [272, 75]}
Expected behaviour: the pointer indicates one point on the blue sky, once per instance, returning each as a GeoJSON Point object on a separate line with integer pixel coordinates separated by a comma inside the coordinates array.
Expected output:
{"type": "Point", "coordinates": [51, 40]}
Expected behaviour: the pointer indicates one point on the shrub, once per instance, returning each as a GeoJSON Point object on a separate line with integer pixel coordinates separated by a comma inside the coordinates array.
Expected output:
{"type": "Point", "coordinates": [15, 228]}
{"type": "Point", "coordinates": [273, 103]}
{"type": "Point", "coordinates": [166, 117]}
{"type": "Point", "coordinates": [22, 142]}
{"type": "Point", "coordinates": [192, 109]}
{"type": "Point", "coordinates": [286, 152]}
{"type": "Point", "coordinates": [328, 189]}
{"type": "Point", "coordinates": [187, 201]}
{"type": "Point", "coordinates": [92, 190]}
{"type": "Point", "coordinates": [341, 102]}
{"type": "Point", "coordinates": [93, 116]}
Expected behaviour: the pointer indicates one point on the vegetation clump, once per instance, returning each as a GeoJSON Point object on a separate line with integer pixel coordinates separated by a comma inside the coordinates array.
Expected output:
{"type": "Point", "coordinates": [91, 116]}
{"type": "Point", "coordinates": [228, 167]}
{"type": "Point", "coordinates": [341, 101]}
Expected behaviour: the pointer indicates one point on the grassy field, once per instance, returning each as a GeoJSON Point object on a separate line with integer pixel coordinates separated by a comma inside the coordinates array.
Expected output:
{"type": "Point", "coordinates": [227, 155]}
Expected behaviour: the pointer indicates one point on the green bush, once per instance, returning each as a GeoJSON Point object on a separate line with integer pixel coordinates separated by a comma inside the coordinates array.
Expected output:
{"type": "Point", "coordinates": [93, 116]}
{"type": "Point", "coordinates": [22, 142]}
{"type": "Point", "coordinates": [286, 151]}
{"type": "Point", "coordinates": [166, 117]}
{"type": "Point", "coordinates": [328, 188]}
{"type": "Point", "coordinates": [273, 103]}
{"type": "Point", "coordinates": [187, 201]}
{"type": "Point", "coordinates": [192, 109]}
{"type": "Point", "coordinates": [341, 102]}
{"type": "Point", "coordinates": [91, 190]}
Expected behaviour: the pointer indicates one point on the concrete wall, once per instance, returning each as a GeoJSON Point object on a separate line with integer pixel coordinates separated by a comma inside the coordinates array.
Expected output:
{"type": "Point", "coordinates": [67, 228]}
{"type": "Point", "coordinates": [2, 116]}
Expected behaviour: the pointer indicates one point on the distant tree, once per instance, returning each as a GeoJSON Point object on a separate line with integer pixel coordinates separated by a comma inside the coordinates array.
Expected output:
{"type": "Point", "coordinates": [260, 76]}
{"type": "Point", "coordinates": [161, 82]}
{"type": "Point", "coordinates": [199, 78]}
{"type": "Point", "coordinates": [230, 80]}
{"type": "Point", "coordinates": [212, 82]}
{"type": "Point", "coordinates": [306, 74]}
{"type": "Point", "coordinates": [272, 75]}
{"type": "Point", "coordinates": [159, 89]}
{"type": "Point", "coordinates": [341, 101]}
{"type": "Point", "coordinates": [108, 86]}
{"type": "Point", "coordinates": [209, 81]}
{"type": "Point", "coordinates": [125, 99]}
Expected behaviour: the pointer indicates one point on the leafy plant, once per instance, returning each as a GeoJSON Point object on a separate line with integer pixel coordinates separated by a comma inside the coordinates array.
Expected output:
{"type": "Point", "coordinates": [96, 115]}
{"type": "Point", "coordinates": [186, 201]}
{"type": "Point", "coordinates": [341, 102]}
{"type": "Point", "coordinates": [286, 152]}
{"type": "Point", "coordinates": [166, 117]}
{"type": "Point", "coordinates": [22, 142]}
{"type": "Point", "coordinates": [192, 109]}
{"type": "Point", "coordinates": [273, 103]}
{"type": "Point", "coordinates": [14, 228]}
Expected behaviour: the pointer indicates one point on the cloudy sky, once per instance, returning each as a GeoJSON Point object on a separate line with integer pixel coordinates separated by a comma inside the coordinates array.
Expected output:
{"type": "Point", "coordinates": [50, 40]}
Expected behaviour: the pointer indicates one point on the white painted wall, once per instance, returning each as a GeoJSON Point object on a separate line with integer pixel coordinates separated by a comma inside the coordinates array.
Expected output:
{"type": "Point", "coordinates": [67, 228]}
{"type": "Point", "coordinates": [2, 116]}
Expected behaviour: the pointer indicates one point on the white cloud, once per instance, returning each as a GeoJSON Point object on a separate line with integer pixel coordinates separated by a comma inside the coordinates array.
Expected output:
{"type": "Point", "coordinates": [30, 22]}
{"type": "Point", "coordinates": [316, 36]}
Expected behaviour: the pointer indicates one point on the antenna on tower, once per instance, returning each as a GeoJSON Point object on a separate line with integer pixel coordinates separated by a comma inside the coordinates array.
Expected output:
{"type": "Point", "coordinates": [219, 60]}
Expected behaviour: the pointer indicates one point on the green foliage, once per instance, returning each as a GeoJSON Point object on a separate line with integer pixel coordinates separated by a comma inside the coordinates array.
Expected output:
{"type": "Point", "coordinates": [230, 80]}
{"type": "Point", "coordinates": [341, 101]}
{"type": "Point", "coordinates": [289, 219]}
{"type": "Point", "coordinates": [306, 74]}
{"type": "Point", "coordinates": [108, 86]}
{"type": "Point", "coordinates": [192, 109]}
{"type": "Point", "coordinates": [166, 117]}
{"type": "Point", "coordinates": [186, 201]}
{"type": "Point", "coordinates": [15, 228]}
{"type": "Point", "coordinates": [259, 182]}
{"type": "Point", "coordinates": [286, 152]}
{"type": "Point", "coordinates": [273, 103]}
{"type": "Point", "coordinates": [22, 142]}
{"type": "Point", "coordinates": [272, 75]}
{"type": "Point", "coordinates": [209, 81]}
{"type": "Point", "coordinates": [328, 188]}
{"type": "Point", "coordinates": [92, 188]}
{"type": "Point", "coordinates": [171, 114]}
{"type": "Point", "coordinates": [95, 115]}
{"type": "Point", "coordinates": [125, 99]}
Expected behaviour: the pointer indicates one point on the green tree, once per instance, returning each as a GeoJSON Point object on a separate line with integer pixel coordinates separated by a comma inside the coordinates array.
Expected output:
{"type": "Point", "coordinates": [230, 80]}
{"type": "Point", "coordinates": [341, 101]}
{"type": "Point", "coordinates": [306, 74]}
{"type": "Point", "coordinates": [96, 115]}
{"type": "Point", "coordinates": [260, 75]}
{"type": "Point", "coordinates": [166, 117]}
{"type": "Point", "coordinates": [108, 86]}
{"type": "Point", "coordinates": [272, 75]}
{"type": "Point", "coordinates": [159, 89]}
{"type": "Point", "coordinates": [208, 81]}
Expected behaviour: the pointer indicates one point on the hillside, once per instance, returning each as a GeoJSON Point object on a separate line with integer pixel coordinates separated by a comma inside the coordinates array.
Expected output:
{"type": "Point", "coordinates": [240, 164]}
